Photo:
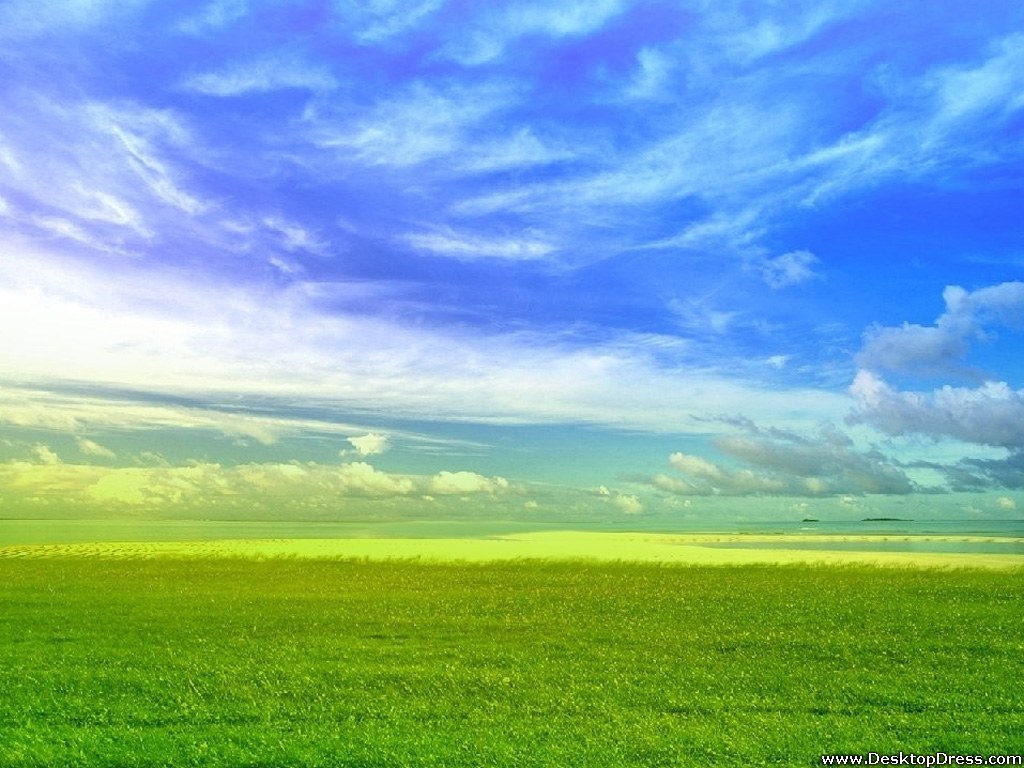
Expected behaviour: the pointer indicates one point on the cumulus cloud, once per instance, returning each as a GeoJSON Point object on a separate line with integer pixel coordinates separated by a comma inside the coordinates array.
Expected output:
{"type": "Point", "coordinates": [629, 504]}
{"type": "Point", "coordinates": [989, 414]}
{"type": "Point", "coordinates": [970, 474]}
{"type": "Point", "coordinates": [370, 443]}
{"type": "Point", "coordinates": [942, 347]}
{"type": "Point", "coordinates": [789, 269]}
{"type": "Point", "coordinates": [209, 483]}
{"type": "Point", "coordinates": [675, 485]}
{"type": "Point", "coordinates": [460, 483]}
{"type": "Point", "coordinates": [359, 477]}
{"type": "Point", "coordinates": [992, 414]}
{"type": "Point", "coordinates": [626, 502]}
{"type": "Point", "coordinates": [45, 455]}
{"type": "Point", "coordinates": [712, 478]}
{"type": "Point", "coordinates": [776, 462]}
{"type": "Point", "coordinates": [92, 448]}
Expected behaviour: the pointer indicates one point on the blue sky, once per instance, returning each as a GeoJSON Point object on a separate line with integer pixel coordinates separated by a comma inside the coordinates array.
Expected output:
{"type": "Point", "coordinates": [696, 260]}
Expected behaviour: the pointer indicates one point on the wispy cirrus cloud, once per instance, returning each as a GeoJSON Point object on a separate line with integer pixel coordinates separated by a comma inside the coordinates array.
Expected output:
{"type": "Point", "coordinates": [378, 20]}
{"type": "Point", "coordinates": [205, 339]}
{"type": "Point", "coordinates": [755, 160]}
{"type": "Point", "coordinates": [269, 72]}
{"type": "Point", "coordinates": [420, 124]}
{"type": "Point", "coordinates": [214, 16]}
{"type": "Point", "coordinates": [487, 38]}
{"type": "Point", "coordinates": [28, 19]}
{"type": "Point", "coordinates": [470, 246]}
{"type": "Point", "coordinates": [104, 175]}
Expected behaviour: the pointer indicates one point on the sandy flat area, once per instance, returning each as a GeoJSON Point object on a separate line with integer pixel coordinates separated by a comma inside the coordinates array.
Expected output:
{"type": "Point", "coordinates": [703, 549]}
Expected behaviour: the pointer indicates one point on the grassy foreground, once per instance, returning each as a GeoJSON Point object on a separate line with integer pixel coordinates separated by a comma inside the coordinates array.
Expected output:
{"type": "Point", "coordinates": [354, 663]}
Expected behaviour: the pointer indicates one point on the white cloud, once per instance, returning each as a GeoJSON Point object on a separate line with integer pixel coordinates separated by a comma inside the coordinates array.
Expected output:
{"type": "Point", "coordinates": [418, 125]}
{"type": "Point", "coordinates": [360, 477]}
{"type": "Point", "coordinates": [700, 318]}
{"type": "Point", "coordinates": [946, 116]}
{"type": "Point", "coordinates": [369, 444]}
{"type": "Point", "coordinates": [777, 462]}
{"type": "Point", "coordinates": [66, 228]}
{"type": "Point", "coordinates": [270, 72]}
{"type": "Point", "coordinates": [487, 39]}
{"type": "Point", "coordinates": [629, 504]}
{"type": "Point", "coordinates": [97, 205]}
{"type": "Point", "coordinates": [294, 237]}
{"type": "Point", "coordinates": [216, 15]}
{"type": "Point", "coordinates": [8, 159]}
{"type": "Point", "coordinates": [696, 466]}
{"type": "Point", "coordinates": [1005, 502]}
{"type": "Point", "coordinates": [521, 149]}
{"type": "Point", "coordinates": [991, 89]}
{"type": "Point", "coordinates": [625, 502]}
{"type": "Point", "coordinates": [789, 269]}
{"type": "Point", "coordinates": [471, 246]}
{"type": "Point", "coordinates": [92, 448]}
{"type": "Point", "coordinates": [941, 348]}
{"type": "Point", "coordinates": [137, 132]}
{"type": "Point", "coordinates": [461, 483]}
{"type": "Point", "coordinates": [679, 487]}
{"type": "Point", "coordinates": [653, 67]}
{"type": "Point", "coordinates": [107, 176]}
{"type": "Point", "coordinates": [75, 411]}
{"type": "Point", "coordinates": [712, 478]}
{"type": "Point", "coordinates": [739, 38]}
{"type": "Point", "coordinates": [992, 414]}
{"type": "Point", "coordinates": [29, 18]}
{"type": "Point", "coordinates": [244, 485]}
{"type": "Point", "coordinates": [146, 329]}
{"type": "Point", "coordinates": [377, 20]}
{"type": "Point", "coordinates": [45, 455]}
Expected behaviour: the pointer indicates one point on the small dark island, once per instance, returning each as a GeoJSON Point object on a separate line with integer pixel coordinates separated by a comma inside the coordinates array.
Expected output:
{"type": "Point", "coordinates": [887, 520]}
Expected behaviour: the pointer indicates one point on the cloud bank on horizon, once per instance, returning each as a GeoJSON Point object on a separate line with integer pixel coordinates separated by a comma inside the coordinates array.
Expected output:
{"type": "Point", "coordinates": [621, 256]}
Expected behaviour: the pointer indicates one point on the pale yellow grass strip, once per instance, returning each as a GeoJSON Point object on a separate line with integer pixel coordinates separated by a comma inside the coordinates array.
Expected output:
{"type": "Point", "coordinates": [639, 547]}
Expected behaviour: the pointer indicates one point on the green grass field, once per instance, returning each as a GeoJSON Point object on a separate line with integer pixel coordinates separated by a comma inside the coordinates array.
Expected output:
{"type": "Point", "coordinates": [281, 662]}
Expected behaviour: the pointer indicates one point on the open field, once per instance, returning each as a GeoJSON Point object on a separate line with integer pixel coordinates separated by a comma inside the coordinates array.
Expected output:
{"type": "Point", "coordinates": [318, 662]}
